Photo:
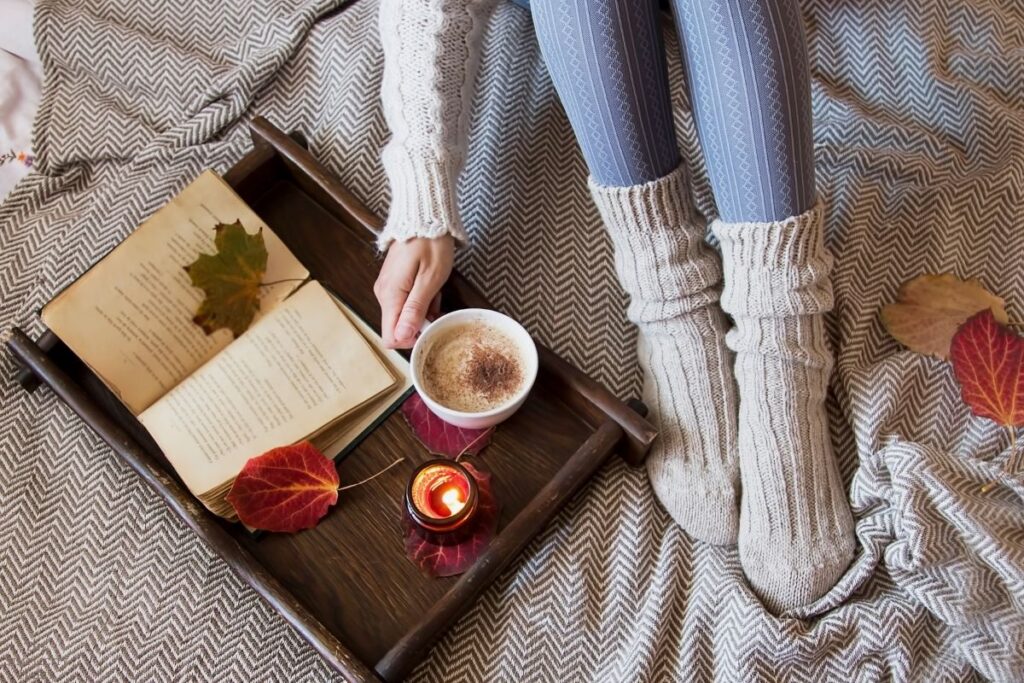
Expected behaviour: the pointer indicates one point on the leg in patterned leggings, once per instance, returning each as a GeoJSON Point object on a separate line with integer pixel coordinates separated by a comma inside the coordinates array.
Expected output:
{"type": "Point", "coordinates": [746, 66]}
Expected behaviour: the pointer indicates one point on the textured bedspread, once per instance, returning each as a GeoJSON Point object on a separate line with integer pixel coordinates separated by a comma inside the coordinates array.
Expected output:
{"type": "Point", "coordinates": [920, 152]}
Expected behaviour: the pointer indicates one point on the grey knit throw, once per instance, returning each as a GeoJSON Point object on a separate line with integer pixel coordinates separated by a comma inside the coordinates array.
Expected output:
{"type": "Point", "coordinates": [920, 152]}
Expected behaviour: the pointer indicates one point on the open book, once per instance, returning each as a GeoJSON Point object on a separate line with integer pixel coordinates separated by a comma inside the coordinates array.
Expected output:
{"type": "Point", "coordinates": [306, 368]}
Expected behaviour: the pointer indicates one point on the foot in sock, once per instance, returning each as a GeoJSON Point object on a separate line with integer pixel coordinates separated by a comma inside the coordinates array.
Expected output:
{"type": "Point", "coordinates": [796, 531]}
{"type": "Point", "coordinates": [672, 278]}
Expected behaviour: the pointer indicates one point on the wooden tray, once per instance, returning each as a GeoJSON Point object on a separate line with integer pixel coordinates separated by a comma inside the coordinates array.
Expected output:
{"type": "Point", "coordinates": [346, 586]}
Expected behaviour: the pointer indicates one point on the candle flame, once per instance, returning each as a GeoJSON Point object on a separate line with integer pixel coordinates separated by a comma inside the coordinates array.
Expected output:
{"type": "Point", "coordinates": [452, 498]}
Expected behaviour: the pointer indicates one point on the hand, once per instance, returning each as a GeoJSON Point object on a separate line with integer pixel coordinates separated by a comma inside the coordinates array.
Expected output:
{"type": "Point", "coordinates": [409, 286]}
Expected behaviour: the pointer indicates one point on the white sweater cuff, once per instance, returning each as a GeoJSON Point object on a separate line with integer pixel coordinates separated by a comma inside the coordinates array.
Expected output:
{"type": "Point", "coordinates": [423, 196]}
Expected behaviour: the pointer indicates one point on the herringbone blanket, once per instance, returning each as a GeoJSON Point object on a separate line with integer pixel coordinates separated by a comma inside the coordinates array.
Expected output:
{"type": "Point", "coordinates": [920, 151]}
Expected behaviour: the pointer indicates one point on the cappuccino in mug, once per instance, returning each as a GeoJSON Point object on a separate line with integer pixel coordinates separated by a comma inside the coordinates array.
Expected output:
{"type": "Point", "coordinates": [472, 367]}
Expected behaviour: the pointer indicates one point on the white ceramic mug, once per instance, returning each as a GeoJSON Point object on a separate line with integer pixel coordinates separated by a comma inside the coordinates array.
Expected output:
{"type": "Point", "coordinates": [526, 351]}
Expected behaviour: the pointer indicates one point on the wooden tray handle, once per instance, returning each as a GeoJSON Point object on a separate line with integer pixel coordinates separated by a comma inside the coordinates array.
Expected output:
{"type": "Point", "coordinates": [202, 522]}
{"type": "Point", "coordinates": [264, 133]}
{"type": "Point", "coordinates": [326, 188]}
{"type": "Point", "coordinates": [28, 380]}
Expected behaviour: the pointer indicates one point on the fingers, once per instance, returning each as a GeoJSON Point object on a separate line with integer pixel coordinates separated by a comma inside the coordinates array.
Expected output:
{"type": "Point", "coordinates": [414, 311]}
{"type": "Point", "coordinates": [408, 286]}
{"type": "Point", "coordinates": [404, 308]}
{"type": "Point", "coordinates": [391, 300]}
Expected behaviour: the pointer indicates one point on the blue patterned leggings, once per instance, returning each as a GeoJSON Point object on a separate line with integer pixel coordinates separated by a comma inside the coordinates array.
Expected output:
{"type": "Point", "coordinates": [746, 66]}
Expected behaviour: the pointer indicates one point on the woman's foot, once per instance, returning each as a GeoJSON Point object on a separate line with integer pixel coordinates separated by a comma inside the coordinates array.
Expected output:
{"type": "Point", "coordinates": [796, 531]}
{"type": "Point", "coordinates": [672, 278]}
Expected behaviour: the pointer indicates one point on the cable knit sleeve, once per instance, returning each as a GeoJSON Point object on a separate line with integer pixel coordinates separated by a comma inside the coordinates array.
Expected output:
{"type": "Point", "coordinates": [431, 54]}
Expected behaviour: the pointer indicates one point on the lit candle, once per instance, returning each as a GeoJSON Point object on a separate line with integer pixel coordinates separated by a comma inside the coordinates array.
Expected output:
{"type": "Point", "coordinates": [441, 496]}
{"type": "Point", "coordinates": [452, 500]}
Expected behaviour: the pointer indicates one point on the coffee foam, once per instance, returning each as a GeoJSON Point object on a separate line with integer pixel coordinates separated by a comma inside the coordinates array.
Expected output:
{"type": "Point", "coordinates": [472, 367]}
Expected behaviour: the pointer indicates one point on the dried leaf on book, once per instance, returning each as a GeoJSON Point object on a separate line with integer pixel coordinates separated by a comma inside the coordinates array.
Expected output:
{"type": "Point", "coordinates": [230, 279]}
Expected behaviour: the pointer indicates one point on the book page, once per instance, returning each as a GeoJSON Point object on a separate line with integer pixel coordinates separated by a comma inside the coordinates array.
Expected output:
{"type": "Point", "coordinates": [300, 367]}
{"type": "Point", "coordinates": [130, 316]}
{"type": "Point", "coordinates": [339, 438]}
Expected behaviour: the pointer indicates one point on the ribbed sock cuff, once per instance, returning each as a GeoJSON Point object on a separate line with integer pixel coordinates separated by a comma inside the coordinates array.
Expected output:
{"type": "Point", "coordinates": [660, 251]}
{"type": "Point", "coordinates": [776, 268]}
{"type": "Point", "coordinates": [664, 204]}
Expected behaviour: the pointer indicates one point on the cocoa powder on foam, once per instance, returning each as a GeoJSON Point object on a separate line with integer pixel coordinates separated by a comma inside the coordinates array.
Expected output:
{"type": "Point", "coordinates": [472, 368]}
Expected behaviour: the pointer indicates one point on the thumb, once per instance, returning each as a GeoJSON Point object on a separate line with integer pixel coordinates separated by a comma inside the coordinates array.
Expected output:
{"type": "Point", "coordinates": [414, 312]}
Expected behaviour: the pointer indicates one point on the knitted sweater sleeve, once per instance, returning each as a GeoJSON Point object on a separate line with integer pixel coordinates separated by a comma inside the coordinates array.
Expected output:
{"type": "Point", "coordinates": [431, 54]}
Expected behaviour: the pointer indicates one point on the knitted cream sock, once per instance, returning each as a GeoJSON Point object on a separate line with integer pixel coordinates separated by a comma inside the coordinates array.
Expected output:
{"type": "Point", "coordinates": [796, 530]}
{"type": "Point", "coordinates": [672, 277]}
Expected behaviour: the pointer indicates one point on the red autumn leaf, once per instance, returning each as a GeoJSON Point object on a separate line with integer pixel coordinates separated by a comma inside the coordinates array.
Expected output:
{"type": "Point", "coordinates": [286, 489]}
{"type": "Point", "coordinates": [438, 436]}
{"type": "Point", "coordinates": [988, 361]}
{"type": "Point", "coordinates": [436, 557]}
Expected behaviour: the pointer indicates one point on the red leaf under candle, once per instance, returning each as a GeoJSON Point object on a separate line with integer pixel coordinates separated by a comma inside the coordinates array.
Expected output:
{"type": "Point", "coordinates": [988, 361]}
{"type": "Point", "coordinates": [286, 489]}
{"type": "Point", "coordinates": [437, 558]}
{"type": "Point", "coordinates": [438, 436]}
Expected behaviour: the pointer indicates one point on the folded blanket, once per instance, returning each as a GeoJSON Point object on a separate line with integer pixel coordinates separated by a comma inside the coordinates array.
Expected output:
{"type": "Point", "coordinates": [920, 153]}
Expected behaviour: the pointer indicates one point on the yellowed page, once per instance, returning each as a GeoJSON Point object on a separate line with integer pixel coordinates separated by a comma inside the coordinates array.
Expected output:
{"type": "Point", "coordinates": [130, 317]}
{"type": "Point", "coordinates": [297, 369]}
{"type": "Point", "coordinates": [337, 438]}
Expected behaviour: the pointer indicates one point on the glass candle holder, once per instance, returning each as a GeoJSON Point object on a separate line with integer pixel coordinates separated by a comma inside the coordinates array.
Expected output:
{"type": "Point", "coordinates": [441, 498]}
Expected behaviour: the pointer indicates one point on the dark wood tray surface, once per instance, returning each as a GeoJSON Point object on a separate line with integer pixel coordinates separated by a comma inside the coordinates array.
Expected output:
{"type": "Point", "coordinates": [346, 585]}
